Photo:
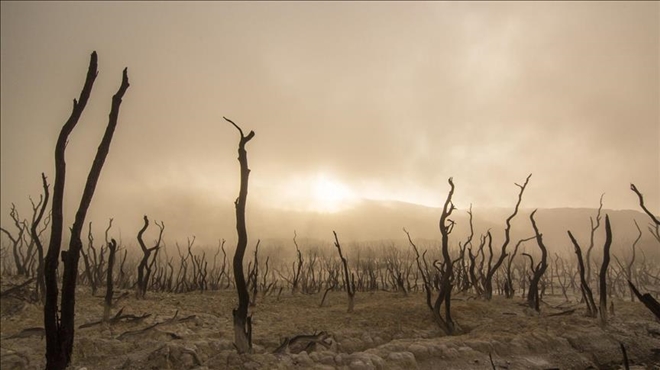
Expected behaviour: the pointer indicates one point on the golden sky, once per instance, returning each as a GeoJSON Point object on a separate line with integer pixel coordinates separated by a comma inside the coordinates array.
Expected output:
{"type": "Point", "coordinates": [379, 100]}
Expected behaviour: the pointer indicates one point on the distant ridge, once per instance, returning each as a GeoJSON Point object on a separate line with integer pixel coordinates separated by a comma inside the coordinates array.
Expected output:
{"type": "Point", "coordinates": [372, 220]}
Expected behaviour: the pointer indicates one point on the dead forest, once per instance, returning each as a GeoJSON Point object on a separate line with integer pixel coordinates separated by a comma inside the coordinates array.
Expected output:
{"type": "Point", "coordinates": [128, 276]}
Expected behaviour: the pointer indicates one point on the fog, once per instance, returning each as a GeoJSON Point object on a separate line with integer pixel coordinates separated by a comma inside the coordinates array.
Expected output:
{"type": "Point", "coordinates": [349, 101]}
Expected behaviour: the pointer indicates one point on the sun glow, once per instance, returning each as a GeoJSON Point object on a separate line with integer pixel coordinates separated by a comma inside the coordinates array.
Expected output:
{"type": "Point", "coordinates": [318, 192]}
{"type": "Point", "coordinates": [324, 192]}
{"type": "Point", "coordinates": [329, 195]}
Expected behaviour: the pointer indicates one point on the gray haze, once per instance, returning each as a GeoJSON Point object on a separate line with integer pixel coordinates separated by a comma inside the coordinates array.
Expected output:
{"type": "Point", "coordinates": [348, 101]}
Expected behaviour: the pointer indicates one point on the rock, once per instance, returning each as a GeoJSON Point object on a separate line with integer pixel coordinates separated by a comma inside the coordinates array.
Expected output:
{"type": "Point", "coordinates": [302, 358]}
{"type": "Point", "coordinates": [350, 345]}
{"type": "Point", "coordinates": [366, 338]}
{"type": "Point", "coordinates": [358, 365]}
{"type": "Point", "coordinates": [404, 360]}
{"type": "Point", "coordinates": [481, 346]}
{"type": "Point", "coordinates": [251, 365]}
{"type": "Point", "coordinates": [419, 351]}
{"type": "Point", "coordinates": [13, 361]}
{"type": "Point", "coordinates": [323, 357]}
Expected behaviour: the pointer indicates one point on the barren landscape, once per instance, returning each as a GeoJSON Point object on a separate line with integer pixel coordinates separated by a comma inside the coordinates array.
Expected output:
{"type": "Point", "coordinates": [330, 185]}
{"type": "Point", "coordinates": [387, 330]}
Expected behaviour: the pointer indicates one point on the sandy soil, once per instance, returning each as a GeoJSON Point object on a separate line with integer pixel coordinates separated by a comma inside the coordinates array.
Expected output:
{"type": "Point", "coordinates": [386, 331]}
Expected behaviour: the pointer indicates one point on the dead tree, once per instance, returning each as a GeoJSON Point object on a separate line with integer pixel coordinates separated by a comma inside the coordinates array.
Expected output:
{"type": "Point", "coordinates": [216, 278]}
{"type": "Point", "coordinates": [91, 265]}
{"type": "Point", "coordinates": [651, 303]}
{"type": "Point", "coordinates": [587, 295]}
{"type": "Point", "coordinates": [446, 226]}
{"type": "Point", "coordinates": [563, 276]}
{"type": "Point", "coordinates": [603, 271]}
{"type": "Point", "coordinates": [253, 276]}
{"type": "Point", "coordinates": [181, 277]}
{"type": "Point", "coordinates": [350, 281]}
{"type": "Point", "coordinates": [16, 241]}
{"type": "Point", "coordinates": [296, 269]}
{"type": "Point", "coordinates": [629, 269]}
{"type": "Point", "coordinates": [200, 277]}
{"type": "Point", "coordinates": [594, 227]}
{"type": "Point", "coordinates": [647, 300]}
{"type": "Point", "coordinates": [121, 280]}
{"type": "Point", "coordinates": [473, 269]}
{"type": "Point", "coordinates": [242, 322]}
{"type": "Point", "coordinates": [60, 330]}
{"type": "Point", "coordinates": [144, 269]}
{"type": "Point", "coordinates": [424, 272]}
{"type": "Point", "coordinates": [533, 299]}
{"type": "Point", "coordinates": [112, 247]}
{"type": "Point", "coordinates": [509, 292]}
{"type": "Point", "coordinates": [654, 228]}
{"type": "Point", "coordinates": [488, 281]}
{"type": "Point", "coordinates": [464, 271]}
{"type": "Point", "coordinates": [36, 236]}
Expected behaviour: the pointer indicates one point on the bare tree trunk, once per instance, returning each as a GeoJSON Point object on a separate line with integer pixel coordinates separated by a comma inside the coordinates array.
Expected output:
{"type": "Point", "coordinates": [350, 281]}
{"type": "Point", "coordinates": [603, 271]}
{"type": "Point", "coordinates": [112, 246]}
{"type": "Point", "coordinates": [488, 282]}
{"type": "Point", "coordinates": [296, 270]}
{"type": "Point", "coordinates": [17, 242]}
{"type": "Point", "coordinates": [648, 300]}
{"type": "Point", "coordinates": [651, 303]}
{"type": "Point", "coordinates": [242, 323]}
{"type": "Point", "coordinates": [591, 237]}
{"type": "Point", "coordinates": [60, 331]}
{"type": "Point", "coordinates": [592, 310]}
{"type": "Point", "coordinates": [423, 271]}
{"type": "Point", "coordinates": [41, 285]}
{"type": "Point", "coordinates": [144, 269]}
{"type": "Point", "coordinates": [56, 356]}
{"type": "Point", "coordinates": [629, 271]}
{"type": "Point", "coordinates": [655, 221]}
{"type": "Point", "coordinates": [533, 299]}
{"type": "Point", "coordinates": [509, 292]}
{"type": "Point", "coordinates": [444, 296]}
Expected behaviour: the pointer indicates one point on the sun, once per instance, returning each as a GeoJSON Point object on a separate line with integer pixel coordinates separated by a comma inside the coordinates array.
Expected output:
{"type": "Point", "coordinates": [329, 194]}
{"type": "Point", "coordinates": [319, 191]}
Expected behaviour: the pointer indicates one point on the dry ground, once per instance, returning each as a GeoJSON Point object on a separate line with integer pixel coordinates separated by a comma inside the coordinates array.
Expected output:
{"type": "Point", "coordinates": [386, 331]}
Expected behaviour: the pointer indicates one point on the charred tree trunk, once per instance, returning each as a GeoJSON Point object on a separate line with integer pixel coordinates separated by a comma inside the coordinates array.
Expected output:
{"type": "Point", "coordinates": [651, 303]}
{"type": "Point", "coordinates": [144, 268]}
{"type": "Point", "coordinates": [629, 270]}
{"type": "Point", "coordinates": [655, 221]}
{"type": "Point", "coordinates": [603, 271]}
{"type": "Point", "coordinates": [509, 292]}
{"type": "Point", "coordinates": [253, 276]}
{"type": "Point", "coordinates": [488, 281]}
{"type": "Point", "coordinates": [112, 247]}
{"type": "Point", "coordinates": [350, 281]}
{"type": "Point", "coordinates": [242, 323]}
{"type": "Point", "coordinates": [422, 271]}
{"type": "Point", "coordinates": [594, 227]}
{"type": "Point", "coordinates": [41, 284]}
{"type": "Point", "coordinates": [533, 299]}
{"type": "Point", "coordinates": [646, 298]}
{"type": "Point", "coordinates": [57, 357]}
{"type": "Point", "coordinates": [296, 270]}
{"type": "Point", "coordinates": [60, 331]}
{"type": "Point", "coordinates": [17, 242]}
{"type": "Point", "coordinates": [446, 226]}
{"type": "Point", "coordinates": [588, 296]}
{"type": "Point", "coordinates": [90, 265]}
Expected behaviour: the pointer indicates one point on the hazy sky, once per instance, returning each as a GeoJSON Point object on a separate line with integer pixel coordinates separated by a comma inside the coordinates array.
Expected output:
{"type": "Point", "coordinates": [348, 100]}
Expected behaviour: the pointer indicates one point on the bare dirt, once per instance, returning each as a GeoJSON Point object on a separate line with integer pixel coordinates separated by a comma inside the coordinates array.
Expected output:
{"type": "Point", "coordinates": [386, 331]}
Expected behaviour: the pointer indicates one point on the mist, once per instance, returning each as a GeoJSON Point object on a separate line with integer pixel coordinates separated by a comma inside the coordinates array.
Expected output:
{"type": "Point", "coordinates": [381, 101]}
